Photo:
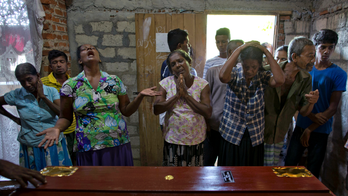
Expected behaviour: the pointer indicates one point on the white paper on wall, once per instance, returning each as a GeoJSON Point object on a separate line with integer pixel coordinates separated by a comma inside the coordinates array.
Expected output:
{"type": "Point", "coordinates": [161, 42]}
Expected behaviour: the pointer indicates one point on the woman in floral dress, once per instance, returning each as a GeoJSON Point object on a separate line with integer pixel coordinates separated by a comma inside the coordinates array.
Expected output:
{"type": "Point", "coordinates": [186, 100]}
{"type": "Point", "coordinates": [98, 100]}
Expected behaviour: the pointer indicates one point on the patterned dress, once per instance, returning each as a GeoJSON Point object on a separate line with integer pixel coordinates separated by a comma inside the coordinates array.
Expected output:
{"type": "Point", "coordinates": [184, 130]}
{"type": "Point", "coordinates": [99, 122]}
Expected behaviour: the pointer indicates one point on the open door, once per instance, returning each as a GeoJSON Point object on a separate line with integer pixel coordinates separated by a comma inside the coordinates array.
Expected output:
{"type": "Point", "coordinates": [149, 64]}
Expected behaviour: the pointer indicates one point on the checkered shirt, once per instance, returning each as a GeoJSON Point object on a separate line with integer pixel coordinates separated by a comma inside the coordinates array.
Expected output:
{"type": "Point", "coordinates": [244, 107]}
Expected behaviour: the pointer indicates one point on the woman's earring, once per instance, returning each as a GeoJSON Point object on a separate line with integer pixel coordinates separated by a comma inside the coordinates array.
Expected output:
{"type": "Point", "coordinates": [99, 61]}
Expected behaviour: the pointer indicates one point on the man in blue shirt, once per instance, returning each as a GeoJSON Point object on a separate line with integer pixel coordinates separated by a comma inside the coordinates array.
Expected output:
{"type": "Point", "coordinates": [313, 131]}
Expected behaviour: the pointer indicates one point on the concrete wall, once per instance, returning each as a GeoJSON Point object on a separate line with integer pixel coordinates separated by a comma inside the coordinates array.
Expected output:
{"type": "Point", "coordinates": [332, 14]}
{"type": "Point", "coordinates": [110, 26]}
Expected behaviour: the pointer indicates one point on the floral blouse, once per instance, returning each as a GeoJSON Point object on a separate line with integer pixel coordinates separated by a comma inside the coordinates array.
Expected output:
{"type": "Point", "coordinates": [99, 122]}
{"type": "Point", "coordinates": [182, 125]}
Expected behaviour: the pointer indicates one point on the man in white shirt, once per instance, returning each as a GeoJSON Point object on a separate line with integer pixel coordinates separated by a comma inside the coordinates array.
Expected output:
{"type": "Point", "coordinates": [222, 38]}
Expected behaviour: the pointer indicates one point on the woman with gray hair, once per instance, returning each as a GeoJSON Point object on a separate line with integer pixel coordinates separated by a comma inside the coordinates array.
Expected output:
{"type": "Point", "coordinates": [38, 108]}
{"type": "Point", "coordinates": [186, 100]}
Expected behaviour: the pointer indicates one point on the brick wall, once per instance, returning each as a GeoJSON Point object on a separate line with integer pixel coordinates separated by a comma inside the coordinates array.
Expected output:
{"type": "Point", "coordinates": [55, 31]}
{"type": "Point", "coordinates": [281, 36]}
{"type": "Point", "coordinates": [294, 26]}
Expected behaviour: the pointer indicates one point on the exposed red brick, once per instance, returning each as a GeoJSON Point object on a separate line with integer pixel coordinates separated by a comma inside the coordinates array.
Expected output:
{"type": "Point", "coordinates": [46, 7]}
{"type": "Point", "coordinates": [63, 21]}
{"type": "Point", "coordinates": [45, 52]}
{"type": "Point", "coordinates": [62, 5]}
{"type": "Point", "coordinates": [62, 44]}
{"type": "Point", "coordinates": [46, 25]}
{"type": "Point", "coordinates": [323, 12]}
{"type": "Point", "coordinates": [65, 37]}
{"type": "Point", "coordinates": [54, 19]}
{"type": "Point", "coordinates": [48, 36]}
{"type": "Point", "coordinates": [48, 16]}
{"type": "Point", "coordinates": [281, 37]}
{"type": "Point", "coordinates": [284, 18]}
{"type": "Point", "coordinates": [58, 12]}
{"type": "Point", "coordinates": [281, 31]}
{"type": "Point", "coordinates": [60, 28]}
{"type": "Point", "coordinates": [47, 44]}
{"type": "Point", "coordinates": [47, 2]}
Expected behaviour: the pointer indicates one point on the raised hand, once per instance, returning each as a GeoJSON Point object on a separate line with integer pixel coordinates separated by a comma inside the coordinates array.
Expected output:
{"type": "Point", "coordinates": [312, 97]}
{"type": "Point", "coordinates": [183, 87]}
{"type": "Point", "coordinates": [51, 136]}
{"type": "Point", "coordinates": [150, 92]}
{"type": "Point", "coordinates": [40, 92]}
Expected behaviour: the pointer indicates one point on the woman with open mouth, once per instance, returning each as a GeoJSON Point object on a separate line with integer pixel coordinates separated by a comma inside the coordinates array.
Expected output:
{"type": "Point", "coordinates": [99, 101]}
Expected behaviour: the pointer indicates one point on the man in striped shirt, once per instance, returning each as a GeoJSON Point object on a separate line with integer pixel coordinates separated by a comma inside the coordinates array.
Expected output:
{"type": "Point", "coordinates": [58, 62]}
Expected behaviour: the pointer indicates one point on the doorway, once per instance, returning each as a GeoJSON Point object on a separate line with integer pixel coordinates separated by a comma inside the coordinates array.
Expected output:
{"type": "Point", "coordinates": [245, 27]}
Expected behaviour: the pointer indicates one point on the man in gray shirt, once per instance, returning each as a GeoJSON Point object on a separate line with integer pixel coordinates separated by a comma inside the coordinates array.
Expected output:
{"type": "Point", "coordinates": [218, 92]}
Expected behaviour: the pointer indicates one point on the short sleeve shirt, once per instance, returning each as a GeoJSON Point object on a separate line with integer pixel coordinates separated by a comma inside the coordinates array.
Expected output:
{"type": "Point", "coordinates": [326, 81]}
{"type": "Point", "coordinates": [35, 116]}
{"type": "Point", "coordinates": [99, 122]}
{"type": "Point", "coordinates": [182, 125]}
{"type": "Point", "coordinates": [213, 62]}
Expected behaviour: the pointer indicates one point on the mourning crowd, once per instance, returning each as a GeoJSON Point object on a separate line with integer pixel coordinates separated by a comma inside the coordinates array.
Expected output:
{"type": "Point", "coordinates": [251, 108]}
